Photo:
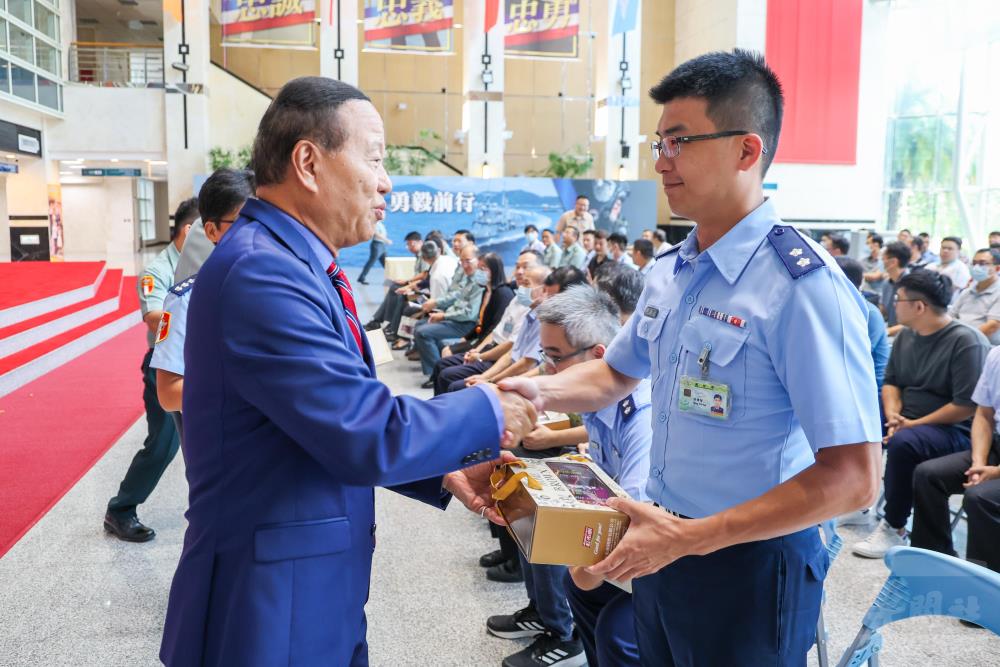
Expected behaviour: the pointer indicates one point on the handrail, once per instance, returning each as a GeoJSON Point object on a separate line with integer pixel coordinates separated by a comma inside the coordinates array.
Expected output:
{"type": "Point", "coordinates": [116, 64]}
{"type": "Point", "coordinates": [242, 80]}
{"type": "Point", "coordinates": [438, 159]}
{"type": "Point", "coordinates": [121, 45]}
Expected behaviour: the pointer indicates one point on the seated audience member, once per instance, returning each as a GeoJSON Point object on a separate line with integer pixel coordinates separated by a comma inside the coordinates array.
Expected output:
{"type": "Point", "coordinates": [904, 236]}
{"type": "Point", "coordinates": [587, 241]}
{"type": "Point", "coordinates": [836, 244]}
{"type": "Point", "coordinates": [951, 263]}
{"type": "Point", "coordinates": [452, 370]}
{"type": "Point", "coordinates": [895, 258]}
{"type": "Point", "coordinates": [577, 326]}
{"type": "Point", "coordinates": [623, 284]}
{"type": "Point", "coordinates": [496, 298]}
{"type": "Point", "coordinates": [573, 253]}
{"type": "Point", "coordinates": [440, 276]}
{"type": "Point", "coordinates": [460, 239]}
{"type": "Point", "coordinates": [928, 256]}
{"type": "Point", "coordinates": [918, 254]}
{"type": "Point", "coordinates": [993, 239]}
{"type": "Point", "coordinates": [933, 369]}
{"type": "Point", "coordinates": [600, 252]}
{"type": "Point", "coordinates": [978, 305]}
{"type": "Point", "coordinates": [974, 474]}
{"type": "Point", "coordinates": [872, 262]}
{"type": "Point", "coordinates": [394, 300]}
{"type": "Point", "coordinates": [452, 315]}
{"type": "Point", "coordinates": [618, 249]}
{"type": "Point", "coordinates": [660, 244]}
{"type": "Point", "coordinates": [877, 333]}
{"type": "Point", "coordinates": [552, 253]}
{"type": "Point", "coordinates": [642, 255]}
{"type": "Point", "coordinates": [532, 240]}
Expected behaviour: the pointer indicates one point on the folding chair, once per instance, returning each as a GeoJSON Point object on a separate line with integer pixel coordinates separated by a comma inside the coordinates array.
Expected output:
{"type": "Point", "coordinates": [834, 543]}
{"type": "Point", "coordinates": [925, 583]}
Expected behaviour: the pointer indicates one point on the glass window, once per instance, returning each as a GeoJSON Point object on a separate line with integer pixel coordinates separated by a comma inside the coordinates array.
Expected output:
{"type": "Point", "coordinates": [23, 82]}
{"type": "Point", "coordinates": [48, 93]}
{"type": "Point", "coordinates": [46, 22]}
{"type": "Point", "coordinates": [4, 76]}
{"type": "Point", "coordinates": [3, 35]}
{"type": "Point", "coordinates": [48, 57]}
{"type": "Point", "coordinates": [22, 44]}
{"type": "Point", "coordinates": [20, 9]}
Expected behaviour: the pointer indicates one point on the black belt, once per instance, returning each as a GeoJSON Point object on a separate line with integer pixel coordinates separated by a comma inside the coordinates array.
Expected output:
{"type": "Point", "coordinates": [668, 511]}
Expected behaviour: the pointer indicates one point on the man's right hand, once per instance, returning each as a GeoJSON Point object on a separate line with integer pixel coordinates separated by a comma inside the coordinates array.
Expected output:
{"type": "Point", "coordinates": [474, 380]}
{"type": "Point", "coordinates": [526, 387]}
{"type": "Point", "coordinates": [519, 417]}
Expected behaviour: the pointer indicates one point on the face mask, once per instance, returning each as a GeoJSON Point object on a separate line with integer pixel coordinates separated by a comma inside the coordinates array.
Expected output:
{"type": "Point", "coordinates": [980, 273]}
{"type": "Point", "coordinates": [531, 237]}
{"type": "Point", "coordinates": [524, 296]}
{"type": "Point", "coordinates": [481, 278]}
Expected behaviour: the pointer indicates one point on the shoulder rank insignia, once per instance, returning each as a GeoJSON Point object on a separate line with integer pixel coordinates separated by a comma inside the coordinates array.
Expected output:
{"type": "Point", "coordinates": [626, 407]}
{"type": "Point", "coordinates": [148, 283]}
{"type": "Point", "coordinates": [164, 329]}
{"type": "Point", "coordinates": [799, 258]}
{"type": "Point", "coordinates": [677, 246]}
{"type": "Point", "coordinates": [184, 286]}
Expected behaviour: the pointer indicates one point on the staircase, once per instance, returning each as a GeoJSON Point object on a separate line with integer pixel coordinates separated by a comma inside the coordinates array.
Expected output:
{"type": "Point", "coordinates": [51, 313]}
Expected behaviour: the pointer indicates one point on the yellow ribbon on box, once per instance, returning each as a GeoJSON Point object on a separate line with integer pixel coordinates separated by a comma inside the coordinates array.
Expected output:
{"type": "Point", "coordinates": [508, 487]}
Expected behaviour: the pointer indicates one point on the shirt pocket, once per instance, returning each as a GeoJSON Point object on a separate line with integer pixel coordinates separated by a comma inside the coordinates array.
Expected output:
{"type": "Point", "coordinates": [727, 362]}
{"type": "Point", "coordinates": [649, 329]}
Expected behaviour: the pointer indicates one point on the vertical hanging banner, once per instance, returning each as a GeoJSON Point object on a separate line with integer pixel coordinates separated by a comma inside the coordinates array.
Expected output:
{"type": "Point", "coordinates": [418, 26]}
{"type": "Point", "coordinates": [55, 223]}
{"type": "Point", "coordinates": [268, 22]}
{"type": "Point", "coordinates": [542, 28]}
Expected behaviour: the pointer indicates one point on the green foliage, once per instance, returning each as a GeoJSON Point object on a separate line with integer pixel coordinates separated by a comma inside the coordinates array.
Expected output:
{"type": "Point", "coordinates": [568, 164]}
{"type": "Point", "coordinates": [222, 157]}
{"type": "Point", "coordinates": [413, 160]}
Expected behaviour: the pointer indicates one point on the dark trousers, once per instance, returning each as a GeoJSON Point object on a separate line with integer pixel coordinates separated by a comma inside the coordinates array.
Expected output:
{"type": "Point", "coordinates": [376, 251]}
{"type": "Point", "coordinates": [430, 337]}
{"type": "Point", "coordinates": [605, 622]}
{"type": "Point", "coordinates": [547, 592]}
{"type": "Point", "coordinates": [933, 482]}
{"type": "Point", "coordinates": [905, 451]}
{"type": "Point", "coordinates": [749, 604]}
{"type": "Point", "coordinates": [391, 310]}
{"type": "Point", "coordinates": [451, 370]}
{"type": "Point", "coordinates": [158, 450]}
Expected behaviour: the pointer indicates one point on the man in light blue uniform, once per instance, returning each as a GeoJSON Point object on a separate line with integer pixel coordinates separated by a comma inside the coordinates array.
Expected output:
{"type": "Point", "coordinates": [764, 406]}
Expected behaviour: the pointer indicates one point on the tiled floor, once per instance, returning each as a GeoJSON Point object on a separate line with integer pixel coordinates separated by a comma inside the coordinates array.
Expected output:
{"type": "Point", "coordinates": [70, 595]}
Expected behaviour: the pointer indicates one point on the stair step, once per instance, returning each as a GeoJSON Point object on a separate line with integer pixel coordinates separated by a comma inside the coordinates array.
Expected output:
{"type": "Point", "coordinates": [29, 289]}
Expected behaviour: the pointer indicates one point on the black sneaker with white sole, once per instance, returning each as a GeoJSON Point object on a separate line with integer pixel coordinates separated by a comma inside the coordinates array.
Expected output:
{"type": "Point", "coordinates": [523, 623]}
{"type": "Point", "coordinates": [549, 651]}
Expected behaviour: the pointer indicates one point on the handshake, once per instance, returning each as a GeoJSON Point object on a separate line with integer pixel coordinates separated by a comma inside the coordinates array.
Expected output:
{"type": "Point", "coordinates": [521, 402]}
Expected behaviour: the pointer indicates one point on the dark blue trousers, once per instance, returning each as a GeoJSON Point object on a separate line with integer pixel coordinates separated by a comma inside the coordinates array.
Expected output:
{"type": "Point", "coordinates": [907, 449]}
{"type": "Point", "coordinates": [605, 623]}
{"type": "Point", "coordinates": [547, 591]}
{"type": "Point", "coordinates": [749, 604]}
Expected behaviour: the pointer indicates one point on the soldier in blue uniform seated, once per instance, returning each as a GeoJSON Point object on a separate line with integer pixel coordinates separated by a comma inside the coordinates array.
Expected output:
{"type": "Point", "coordinates": [727, 566]}
{"type": "Point", "coordinates": [286, 427]}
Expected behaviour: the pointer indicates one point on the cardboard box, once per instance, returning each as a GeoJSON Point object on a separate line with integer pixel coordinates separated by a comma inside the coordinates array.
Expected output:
{"type": "Point", "coordinates": [381, 352]}
{"type": "Point", "coordinates": [398, 268]}
{"type": "Point", "coordinates": [555, 509]}
{"type": "Point", "coordinates": [557, 421]}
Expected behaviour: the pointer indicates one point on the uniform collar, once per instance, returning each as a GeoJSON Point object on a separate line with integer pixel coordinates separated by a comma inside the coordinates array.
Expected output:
{"type": "Point", "coordinates": [299, 239]}
{"type": "Point", "coordinates": [733, 251]}
{"type": "Point", "coordinates": [173, 254]}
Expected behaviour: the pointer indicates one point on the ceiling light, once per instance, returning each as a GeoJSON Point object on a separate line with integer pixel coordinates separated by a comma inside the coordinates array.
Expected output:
{"type": "Point", "coordinates": [10, 156]}
{"type": "Point", "coordinates": [114, 159]}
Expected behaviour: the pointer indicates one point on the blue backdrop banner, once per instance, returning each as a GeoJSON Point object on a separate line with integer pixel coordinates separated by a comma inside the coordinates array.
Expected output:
{"type": "Point", "coordinates": [497, 210]}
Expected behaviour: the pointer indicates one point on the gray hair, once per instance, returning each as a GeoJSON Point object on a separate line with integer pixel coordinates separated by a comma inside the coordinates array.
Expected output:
{"type": "Point", "coordinates": [587, 317]}
{"type": "Point", "coordinates": [429, 251]}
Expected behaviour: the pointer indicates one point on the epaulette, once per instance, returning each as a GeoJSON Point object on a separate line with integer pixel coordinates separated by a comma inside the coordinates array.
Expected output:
{"type": "Point", "coordinates": [794, 251]}
{"type": "Point", "coordinates": [184, 286]}
{"type": "Point", "coordinates": [626, 408]}
{"type": "Point", "coordinates": [669, 251]}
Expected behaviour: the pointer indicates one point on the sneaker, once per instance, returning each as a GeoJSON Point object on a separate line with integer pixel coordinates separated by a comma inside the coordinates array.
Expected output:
{"type": "Point", "coordinates": [523, 623]}
{"type": "Point", "coordinates": [860, 518]}
{"type": "Point", "coordinates": [492, 558]}
{"type": "Point", "coordinates": [373, 325]}
{"type": "Point", "coordinates": [549, 651]}
{"type": "Point", "coordinates": [883, 538]}
{"type": "Point", "coordinates": [506, 573]}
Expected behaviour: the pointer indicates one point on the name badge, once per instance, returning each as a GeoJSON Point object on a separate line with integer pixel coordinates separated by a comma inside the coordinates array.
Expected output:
{"type": "Point", "coordinates": [508, 327]}
{"type": "Point", "coordinates": [651, 311]}
{"type": "Point", "coordinates": [704, 397]}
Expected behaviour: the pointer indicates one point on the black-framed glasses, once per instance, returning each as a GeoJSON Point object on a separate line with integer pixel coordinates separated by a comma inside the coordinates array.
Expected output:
{"type": "Point", "coordinates": [223, 221]}
{"type": "Point", "coordinates": [670, 146]}
{"type": "Point", "coordinates": [553, 359]}
{"type": "Point", "coordinates": [896, 299]}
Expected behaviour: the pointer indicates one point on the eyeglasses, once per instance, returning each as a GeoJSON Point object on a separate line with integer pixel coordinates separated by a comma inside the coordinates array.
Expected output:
{"type": "Point", "coordinates": [896, 299]}
{"type": "Point", "coordinates": [222, 221]}
{"type": "Point", "coordinates": [553, 360]}
{"type": "Point", "coordinates": [671, 146]}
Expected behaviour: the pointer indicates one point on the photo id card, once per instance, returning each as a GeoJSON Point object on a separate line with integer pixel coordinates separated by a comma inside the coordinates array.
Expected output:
{"type": "Point", "coordinates": [704, 397]}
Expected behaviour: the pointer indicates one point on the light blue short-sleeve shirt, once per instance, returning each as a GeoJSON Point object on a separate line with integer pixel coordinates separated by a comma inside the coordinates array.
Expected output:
{"type": "Point", "coordinates": [528, 342]}
{"type": "Point", "coordinates": [785, 331]}
{"type": "Point", "coordinates": [987, 393]}
{"type": "Point", "coordinates": [168, 352]}
{"type": "Point", "coordinates": [620, 435]}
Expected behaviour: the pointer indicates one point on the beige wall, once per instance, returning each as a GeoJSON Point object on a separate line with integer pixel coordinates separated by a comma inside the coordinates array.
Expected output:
{"type": "Point", "coordinates": [657, 61]}
{"type": "Point", "coordinates": [235, 110]}
{"type": "Point", "coordinates": [268, 69]}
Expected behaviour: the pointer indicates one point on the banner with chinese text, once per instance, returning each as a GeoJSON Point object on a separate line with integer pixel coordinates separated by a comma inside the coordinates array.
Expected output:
{"type": "Point", "coordinates": [497, 210]}
{"type": "Point", "coordinates": [542, 28]}
{"type": "Point", "coordinates": [422, 26]}
{"type": "Point", "coordinates": [268, 22]}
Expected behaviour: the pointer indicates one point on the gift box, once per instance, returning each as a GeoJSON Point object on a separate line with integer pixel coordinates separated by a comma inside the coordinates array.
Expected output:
{"type": "Point", "coordinates": [556, 509]}
{"type": "Point", "coordinates": [557, 421]}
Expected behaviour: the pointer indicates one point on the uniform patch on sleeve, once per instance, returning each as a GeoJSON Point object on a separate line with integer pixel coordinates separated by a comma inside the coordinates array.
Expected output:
{"type": "Point", "coordinates": [796, 254]}
{"type": "Point", "coordinates": [164, 329]}
{"type": "Point", "coordinates": [627, 408]}
{"type": "Point", "coordinates": [184, 286]}
{"type": "Point", "coordinates": [148, 283]}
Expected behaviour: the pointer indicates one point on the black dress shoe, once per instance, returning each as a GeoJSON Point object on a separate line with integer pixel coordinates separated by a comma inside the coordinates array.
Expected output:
{"type": "Point", "coordinates": [128, 528]}
{"type": "Point", "coordinates": [413, 355]}
{"type": "Point", "coordinates": [428, 385]}
{"type": "Point", "coordinates": [492, 559]}
{"type": "Point", "coordinates": [362, 281]}
{"type": "Point", "coordinates": [508, 572]}
{"type": "Point", "coordinates": [970, 624]}
{"type": "Point", "coordinates": [373, 325]}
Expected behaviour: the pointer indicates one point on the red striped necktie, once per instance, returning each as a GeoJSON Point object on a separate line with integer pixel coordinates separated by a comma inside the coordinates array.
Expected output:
{"type": "Point", "coordinates": [343, 287]}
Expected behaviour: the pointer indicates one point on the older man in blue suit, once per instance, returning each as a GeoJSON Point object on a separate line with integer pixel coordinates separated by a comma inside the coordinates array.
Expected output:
{"type": "Point", "coordinates": [287, 430]}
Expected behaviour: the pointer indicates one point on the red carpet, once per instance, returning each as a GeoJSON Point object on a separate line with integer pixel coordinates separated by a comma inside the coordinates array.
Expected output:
{"type": "Point", "coordinates": [108, 289]}
{"type": "Point", "coordinates": [22, 282]}
{"type": "Point", "coordinates": [53, 430]}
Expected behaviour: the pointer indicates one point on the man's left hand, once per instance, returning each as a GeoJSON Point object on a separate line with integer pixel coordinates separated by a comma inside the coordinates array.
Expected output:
{"type": "Point", "coordinates": [435, 317]}
{"type": "Point", "coordinates": [472, 487]}
{"type": "Point", "coordinates": [654, 539]}
{"type": "Point", "coordinates": [979, 474]}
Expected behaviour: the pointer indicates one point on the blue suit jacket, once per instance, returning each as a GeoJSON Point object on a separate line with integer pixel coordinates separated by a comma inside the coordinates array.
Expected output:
{"type": "Point", "coordinates": [286, 432]}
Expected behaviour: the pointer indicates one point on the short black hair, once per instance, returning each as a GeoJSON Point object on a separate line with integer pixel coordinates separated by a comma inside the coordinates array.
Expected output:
{"type": "Point", "coordinates": [852, 269]}
{"type": "Point", "coordinates": [305, 108]}
{"type": "Point", "coordinates": [186, 213]}
{"type": "Point", "coordinates": [924, 235]}
{"type": "Point", "coordinates": [993, 233]}
{"type": "Point", "coordinates": [954, 239]}
{"type": "Point", "coordinates": [918, 242]}
{"type": "Point", "coordinates": [592, 232]}
{"type": "Point", "coordinates": [934, 288]}
{"type": "Point", "coordinates": [573, 230]}
{"type": "Point", "coordinates": [531, 251]}
{"type": "Point", "coordinates": [840, 242]}
{"type": "Point", "coordinates": [876, 238]}
{"type": "Point", "coordinates": [741, 90]}
{"type": "Point", "coordinates": [579, 197]}
{"type": "Point", "coordinates": [223, 191]}
{"type": "Point", "coordinates": [530, 228]}
{"type": "Point", "coordinates": [618, 239]}
{"type": "Point", "coordinates": [900, 251]}
{"type": "Point", "coordinates": [993, 254]}
{"type": "Point", "coordinates": [413, 236]}
{"type": "Point", "coordinates": [548, 230]}
{"type": "Point", "coordinates": [601, 234]}
{"type": "Point", "coordinates": [904, 229]}
{"type": "Point", "coordinates": [622, 283]}
{"type": "Point", "coordinates": [643, 247]}
{"type": "Point", "coordinates": [566, 276]}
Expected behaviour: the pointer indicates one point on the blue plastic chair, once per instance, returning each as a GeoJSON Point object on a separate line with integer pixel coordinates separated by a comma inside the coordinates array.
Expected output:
{"type": "Point", "coordinates": [926, 583]}
{"type": "Point", "coordinates": [834, 543]}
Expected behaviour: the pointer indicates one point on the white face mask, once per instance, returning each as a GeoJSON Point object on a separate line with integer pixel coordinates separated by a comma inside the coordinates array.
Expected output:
{"type": "Point", "coordinates": [531, 237]}
{"type": "Point", "coordinates": [523, 296]}
{"type": "Point", "coordinates": [980, 273]}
